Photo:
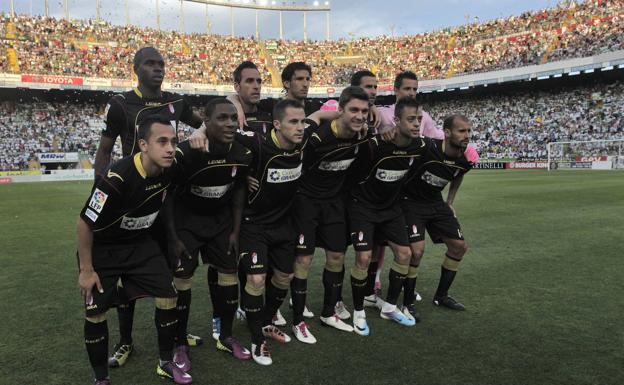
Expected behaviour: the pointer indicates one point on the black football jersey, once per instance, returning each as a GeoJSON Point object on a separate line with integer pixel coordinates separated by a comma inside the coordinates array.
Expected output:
{"type": "Point", "coordinates": [383, 169]}
{"type": "Point", "coordinates": [124, 112]}
{"type": "Point", "coordinates": [326, 160]}
{"type": "Point", "coordinates": [125, 202]}
{"type": "Point", "coordinates": [278, 172]}
{"type": "Point", "coordinates": [435, 171]}
{"type": "Point", "coordinates": [260, 121]}
{"type": "Point", "coordinates": [309, 105]}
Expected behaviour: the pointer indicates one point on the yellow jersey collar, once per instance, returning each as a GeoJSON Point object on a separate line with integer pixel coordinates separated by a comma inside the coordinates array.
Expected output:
{"type": "Point", "coordinates": [139, 166]}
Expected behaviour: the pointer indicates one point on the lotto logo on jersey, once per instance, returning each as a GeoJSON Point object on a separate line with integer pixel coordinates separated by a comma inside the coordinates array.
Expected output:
{"type": "Point", "coordinates": [211, 192]}
{"type": "Point", "coordinates": [283, 175]}
{"type": "Point", "coordinates": [434, 180]}
{"type": "Point", "coordinates": [390, 175]}
{"type": "Point", "coordinates": [98, 199]}
{"type": "Point", "coordinates": [138, 223]}
{"type": "Point", "coordinates": [339, 165]}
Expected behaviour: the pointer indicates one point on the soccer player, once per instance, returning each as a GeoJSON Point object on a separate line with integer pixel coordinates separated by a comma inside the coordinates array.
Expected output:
{"type": "Point", "coordinates": [374, 211]}
{"type": "Point", "coordinates": [318, 209]}
{"type": "Point", "coordinates": [115, 243]}
{"type": "Point", "coordinates": [248, 84]}
{"type": "Point", "coordinates": [267, 236]}
{"type": "Point", "coordinates": [368, 81]}
{"type": "Point", "coordinates": [123, 113]}
{"type": "Point", "coordinates": [444, 162]}
{"type": "Point", "coordinates": [205, 217]}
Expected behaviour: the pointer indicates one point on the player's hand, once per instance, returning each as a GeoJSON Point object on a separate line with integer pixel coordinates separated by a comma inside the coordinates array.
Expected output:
{"type": "Point", "coordinates": [252, 184]}
{"type": "Point", "coordinates": [177, 252]}
{"type": "Point", "coordinates": [376, 117]}
{"type": "Point", "coordinates": [242, 122]}
{"type": "Point", "coordinates": [452, 209]}
{"type": "Point", "coordinates": [389, 135]}
{"type": "Point", "coordinates": [199, 141]}
{"type": "Point", "coordinates": [233, 245]}
{"type": "Point", "coordinates": [86, 280]}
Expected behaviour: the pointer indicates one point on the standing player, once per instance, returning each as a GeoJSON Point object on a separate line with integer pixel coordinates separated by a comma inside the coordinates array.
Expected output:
{"type": "Point", "coordinates": [318, 210]}
{"type": "Point", "coordinates": [123, 114]}
{"type": "Point", "coordinates": [375, 213]}
{"type": "Point", "coordinates": [115, 243]}
{"type": "Point", "coordinates": [205, 217]}
{"type": "Point", "coordinates": [267, 237]}
{"type": "Point", "coordinates": [444, 162]}
{"type": "Point", "coordinates": [248, 84]}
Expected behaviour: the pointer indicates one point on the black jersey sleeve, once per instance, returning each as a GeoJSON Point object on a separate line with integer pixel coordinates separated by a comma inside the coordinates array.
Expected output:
{"type": "Point", "coordinates": [114, 118]}
{"type": "Point", "coordinates": [267, 105]}
{"type": "Point", "coordinates": [188, 116]}
{"type": "Point", "coordinates": [105, 197]}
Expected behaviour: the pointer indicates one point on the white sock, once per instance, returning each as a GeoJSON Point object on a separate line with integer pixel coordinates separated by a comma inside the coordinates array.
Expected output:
{"type": "Point", "coordinates": [359, 314]}
{"type": "Point", "coordinates": [388, 307]}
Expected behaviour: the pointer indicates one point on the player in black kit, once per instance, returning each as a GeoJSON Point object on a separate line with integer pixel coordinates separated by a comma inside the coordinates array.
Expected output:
{"type": "Point", "coordinates": [374, 210]}
{"type": "Point", "coordinates": [115, 243]}
{"type": "Point", "coordinates": [444, 162]}
{"type": "Point", "coordinates": [205, 215]}
{"type": "Point", "coordinates": [318, 209]}
{"type": "Point", "coordinates": [267, 237]}
{"type": "Point", "coordinates": [122, 115]}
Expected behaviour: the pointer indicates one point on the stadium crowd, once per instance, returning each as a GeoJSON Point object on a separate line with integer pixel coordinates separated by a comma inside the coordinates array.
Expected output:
{"type": "Point", "coordinates": [512, 126]}
{"type": "Point", "coordinates": [98, 49]}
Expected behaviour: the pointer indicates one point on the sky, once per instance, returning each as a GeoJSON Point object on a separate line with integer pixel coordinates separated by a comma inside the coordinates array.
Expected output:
{"type": "Point", "coordinates": [348, 18]}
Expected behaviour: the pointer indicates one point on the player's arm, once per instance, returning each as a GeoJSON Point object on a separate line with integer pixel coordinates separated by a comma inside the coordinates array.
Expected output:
{"type": "Point", "coordinates": [375, 115]}
{"type": "Point", "coordinates": [323, 115]}
{"type": "Point", "coordinates": [453, 188]}
{"type": "Point", "coordinates": [242, 122]}
{"type": "Point", "coordinates": [87, 278]}
{"type": "Point", "coordinates": [238, 203]}
{"type": "Point", "coordinates": [115, 120]}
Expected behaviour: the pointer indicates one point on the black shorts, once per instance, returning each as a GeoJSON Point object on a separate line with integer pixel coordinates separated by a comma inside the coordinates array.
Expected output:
{"type": "Point", "coordinates": [205, 235]}
{"type": "Point", "coordinates": [437, 218]}
{"type": "Point", "coordinates": [368, 226]}
{"type": "Point", "coordinates": [141, 267]}
{"type": "Point", "coordinates": [319, 223]}
{"type": "Point", "coordinates": [262, 246]}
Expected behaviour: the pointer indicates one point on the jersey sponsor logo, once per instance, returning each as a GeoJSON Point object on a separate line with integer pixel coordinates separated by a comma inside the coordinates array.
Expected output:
{"type": "Point", "coordinates": [339, 165]}
{"type": "Point", "coordinates": [212, 192]}
{"type": "Point", "coordinates": [138, 223]}
{"type": "Point", "coordinates": [434, 180]}
{"type": "Point", "coordinates": [98, 199]}
{"type": "Point", "coordinates": [390, 175]}
{"type": "Point", "coordinates": [283, 175]}
{"type": "Point", "coordinates": [91, 215]}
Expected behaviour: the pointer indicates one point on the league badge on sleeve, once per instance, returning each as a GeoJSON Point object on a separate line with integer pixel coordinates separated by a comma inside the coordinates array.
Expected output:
{"type": "Point", "coordinates": [98, 199]}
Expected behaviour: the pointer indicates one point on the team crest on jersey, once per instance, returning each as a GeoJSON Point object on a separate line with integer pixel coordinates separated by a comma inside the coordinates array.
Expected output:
{"type": "Point", "coordinates": [171, 108]}
{"type": "Point", "coordinates": [98, 199]}
{"type": "Point", "coordinates": [106, 110]}
{"type": "Point", "coordinates": [264, 128]}
{"type": "Point", "coordinates": [360, 236]}
{"type": "Point", "coordinates": [234, 169]}
{"type": "Point", "coordinates": [301, 239]}
{"type": "Point", "coordinates": [411, 160]}
{"type": "Point", "coordinates": [254, 258]}
{"type": "Point", "coordinates": [414, 229]}
{"type": "Point", "coordinates": [356, 149]}
{"type": "Point", "coordinates": [164, 195]}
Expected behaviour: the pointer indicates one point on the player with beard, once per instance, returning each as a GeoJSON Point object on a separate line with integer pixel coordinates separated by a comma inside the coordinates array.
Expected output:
{"type": "Point", "coordinates": [374, 211]}
{"type": "Point", "coordinates": [248, 85]}
{"type": "Point", "coordinates": [444, 162]}
{"type": "Point", "coordinates": [122, 116]}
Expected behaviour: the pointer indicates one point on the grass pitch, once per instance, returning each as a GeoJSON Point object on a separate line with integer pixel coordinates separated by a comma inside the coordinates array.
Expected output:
{"type": "Point", "coordinates": [542, 283]}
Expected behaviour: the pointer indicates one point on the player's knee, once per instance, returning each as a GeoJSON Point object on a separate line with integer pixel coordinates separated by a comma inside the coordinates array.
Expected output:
{"type": "Point", "coordinates": [183, 283]}
{"type": "Point", "coordinates": [97, 319]}
{"type": "Point", "coordinates": [363, 259]}
{"type": "Point", "coordinates": [165, 303]}
{"type": "Point", "coordinates": [302, 267]}
{"type": "Point", "coordinates": [256, 280]}
{"type": "Point", "coordinates": [334, 263]}
{"type": "Point", "coordinates": [254, 289]}
{"type": "Point", "coordinates": [403, 255]}
{"type": "Point", "coordinates": [227, 279]}
{"type": "Point", "coordinates": [281, 280]}
{"type": "Point", "coordinates": [457, 249]}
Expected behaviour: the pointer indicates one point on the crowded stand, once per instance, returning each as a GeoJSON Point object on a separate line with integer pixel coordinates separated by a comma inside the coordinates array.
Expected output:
{"type": "Point", "coordinates": [49, 46]}
{"type": "Point", "coordinates": [517, 125]}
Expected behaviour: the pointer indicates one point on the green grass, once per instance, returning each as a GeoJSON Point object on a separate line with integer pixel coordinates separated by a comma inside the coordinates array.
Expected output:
{"type": "Point", "coordinates": [543, 282]}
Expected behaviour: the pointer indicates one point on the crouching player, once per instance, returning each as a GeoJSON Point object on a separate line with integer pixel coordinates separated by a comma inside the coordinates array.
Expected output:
{"type": "Point", "coordinates": [114, 243]}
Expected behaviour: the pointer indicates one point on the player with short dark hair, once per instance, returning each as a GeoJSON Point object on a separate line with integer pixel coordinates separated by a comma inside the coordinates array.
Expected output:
{"type": "Point", "coordinates": [374, 211]}
{"type": "Point", "coordinates": [115, 244]}
{"type": "Point", "coordinates": [368, 81]}
{"type": "Point", "coordinates": [444, 162]}
{"type": "Point", "coordinates": [267, 237]}
{"type": "Point", "coordinates": [205, 215]}
{"type": "Point", "coordinates": [122, 116]}
{"type": "Point", "coordinates": [248, 84]}
{"type": "Point", "coordinates": [318, 209]}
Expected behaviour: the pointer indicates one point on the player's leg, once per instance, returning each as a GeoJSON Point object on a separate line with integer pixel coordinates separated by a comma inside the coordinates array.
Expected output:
{"type": "Point", "coordinates": [373, 281]}
{"type": "Point", "coordinates": [298, 293]}
{"type": "Point", "coordinates": [456, 248]}
{"type": "Point", "coordinates": [396, 278]}
{"type": "Point", "coordinates": [333, 276]}
{"type": "Point", "coordinates": [165, 318]}
{"type": "Point", "coordinates": [409, 286]}
{"type": "Point", "coordinates": [213, 288]}
{"type": "Point", "coordinates": [276, 291]}
{"type": "Point", "coordinates": [125, 316]}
